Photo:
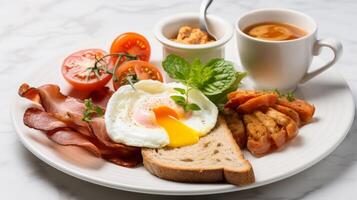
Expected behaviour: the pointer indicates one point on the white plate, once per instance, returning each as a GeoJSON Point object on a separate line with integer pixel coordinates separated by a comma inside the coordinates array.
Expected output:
{"type": "Point", "coordinates": [333, 118]}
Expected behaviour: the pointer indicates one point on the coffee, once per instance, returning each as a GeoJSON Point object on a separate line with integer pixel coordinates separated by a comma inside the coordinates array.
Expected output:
{"type": "Point", "coordinates": [274, 31]}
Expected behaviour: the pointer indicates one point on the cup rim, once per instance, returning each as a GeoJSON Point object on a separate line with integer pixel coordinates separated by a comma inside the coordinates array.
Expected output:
{"type": "Point", "coordinates": [165, 41]}
{"type": "Point", "coordinates": [239, 31]}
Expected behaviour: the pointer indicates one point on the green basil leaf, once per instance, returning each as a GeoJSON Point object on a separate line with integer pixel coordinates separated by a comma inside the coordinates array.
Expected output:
{"type": "Point", "coordinates": [177, 68]}
{"type": "Point", "coordinates": [186, 107]}
{"type": "Point", "coordinates": [215, 79]}
{"type": "Point", "coordinates": [99, 111]}
{"type": "Point", "coordinates": [199, 75]}
{"type": "Point", "coordinates": [277, 92]}
{"type": "Point", "coordinates": [290, 96]}
{"type": "Point", "coordinates": [178, 99]}
{"type": "Point", "coordinates": [193, 106]}
{"type": "Point", "coordinates": [221, 99]}
{"type": "Point", "coordinates": [180, 90]}
{"type": "Point", "coordinates": [223, 76]}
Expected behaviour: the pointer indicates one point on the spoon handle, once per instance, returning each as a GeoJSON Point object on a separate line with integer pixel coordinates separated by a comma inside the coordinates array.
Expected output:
{"type": "Point", "coordinates": [203, 10]}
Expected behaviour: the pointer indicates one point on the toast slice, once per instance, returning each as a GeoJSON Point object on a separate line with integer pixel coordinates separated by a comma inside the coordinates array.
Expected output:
{"type": "Point", "coordinates": [216, 157]}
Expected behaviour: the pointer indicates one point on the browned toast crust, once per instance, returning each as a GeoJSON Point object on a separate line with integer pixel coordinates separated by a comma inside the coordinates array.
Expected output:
{"type": "Point", "coordinates": [237, 175]}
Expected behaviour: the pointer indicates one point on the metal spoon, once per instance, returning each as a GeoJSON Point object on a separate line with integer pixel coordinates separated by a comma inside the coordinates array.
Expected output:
{"type": "Point", "coordinates": [202, 18]}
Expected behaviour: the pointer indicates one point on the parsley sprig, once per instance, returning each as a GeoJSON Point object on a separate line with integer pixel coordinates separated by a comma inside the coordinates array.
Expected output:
{"type": "Point", "coordinates": [289, 95]}
{"type": "Point", "coordinates": [183, 100]}
{"type": "Point", "coordinates": [91, 110]}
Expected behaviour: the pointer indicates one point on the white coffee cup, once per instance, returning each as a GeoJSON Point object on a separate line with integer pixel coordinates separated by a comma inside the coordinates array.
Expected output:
{"type": "Point", "coordinates": [282, 64]}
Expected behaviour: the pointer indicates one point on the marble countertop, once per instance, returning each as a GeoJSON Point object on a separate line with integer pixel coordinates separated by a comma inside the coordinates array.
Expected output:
{"type": "Point", "coordinates": [33, 32]}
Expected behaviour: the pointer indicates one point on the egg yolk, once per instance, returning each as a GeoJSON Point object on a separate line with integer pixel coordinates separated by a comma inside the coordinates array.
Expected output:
{"type": "Point", "coordinates": [179, 134]}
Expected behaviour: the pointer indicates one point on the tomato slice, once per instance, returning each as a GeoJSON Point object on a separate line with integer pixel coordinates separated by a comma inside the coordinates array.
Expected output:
{"type": "Point", "coordinates": [133, 44]}
{"type": "Point", "coordinates": [140, 70]}
{"type": "Point", "coordinates": [76, 69]}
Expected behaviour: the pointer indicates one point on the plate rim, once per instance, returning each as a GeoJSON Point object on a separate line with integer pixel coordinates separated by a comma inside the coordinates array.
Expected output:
{"type": "Point", "coordinates": [144, 190]}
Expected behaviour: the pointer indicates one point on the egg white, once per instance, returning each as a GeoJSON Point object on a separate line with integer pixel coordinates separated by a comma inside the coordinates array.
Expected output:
{"type": "Point", "coordinates": [122, 128]}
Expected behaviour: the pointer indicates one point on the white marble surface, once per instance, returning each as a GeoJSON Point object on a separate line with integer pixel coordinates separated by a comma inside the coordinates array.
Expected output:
{"type": "Point", "coordinates": [34, 32]}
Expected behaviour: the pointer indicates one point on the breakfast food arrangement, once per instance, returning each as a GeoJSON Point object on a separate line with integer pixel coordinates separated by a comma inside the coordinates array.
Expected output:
{"type": "Point", "coordinates": [190, 117]}
{"type": "Point", "coordinates": [169, 121]}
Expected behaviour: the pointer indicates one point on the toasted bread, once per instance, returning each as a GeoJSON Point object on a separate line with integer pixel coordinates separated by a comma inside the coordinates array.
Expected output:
{"type": "Point", "coordinates": [215, 158]}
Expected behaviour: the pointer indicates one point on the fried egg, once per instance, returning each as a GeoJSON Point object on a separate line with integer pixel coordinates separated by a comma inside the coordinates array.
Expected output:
{"type": "Point", "coordinates": [145, 115]}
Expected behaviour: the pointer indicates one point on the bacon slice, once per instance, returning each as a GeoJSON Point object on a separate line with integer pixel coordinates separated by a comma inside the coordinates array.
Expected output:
{"type": "Point", "coordinates": [53, 101]}
{"type": "Point", "coordinates": [130, 161]}
{"type": "Point", "coordinates": [41, 120]}
{"type": "Point", "coordinates": [44, 121]}
{"type": "Point", "coordinates": [98, 127]}
{"type": "Point", "coordinates": [61, 120]}
{"type": "Point", "coordinates": [63, 134]}
{"type": "Point", "coordinates": [71, 138]}
{"type": "Point", "coordinates": [68, 137]}
{"type": "Point", "coordinates": [30, 93]}
{"type": "Point", "coordinates": [101, 97]}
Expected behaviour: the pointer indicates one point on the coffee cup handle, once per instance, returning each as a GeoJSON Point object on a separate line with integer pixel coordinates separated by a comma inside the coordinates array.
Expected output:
{"type": "Point", "coordinates": [331, 43]}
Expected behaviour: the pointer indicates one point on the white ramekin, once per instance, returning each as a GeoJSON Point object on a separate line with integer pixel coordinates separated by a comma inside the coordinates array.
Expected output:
{"type": "Point", "coordinates": [167, 29]}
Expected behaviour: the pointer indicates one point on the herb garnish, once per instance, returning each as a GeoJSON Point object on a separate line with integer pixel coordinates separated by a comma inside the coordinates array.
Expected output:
{"type": "Point", "coordinates": [132, 79]}
{"type": "Point", "coordinates": [183, 100]}
{"type": "Point", "coordinates": [102, 65]}
{"type": "Point", "coordinates": [289, 95]}
{"type": "Point", "coordinates": [91, 110]}
{"type": "Point", "coordinates": [277, 92]}
{"type": "Point", "coordinates": [214, 79]}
